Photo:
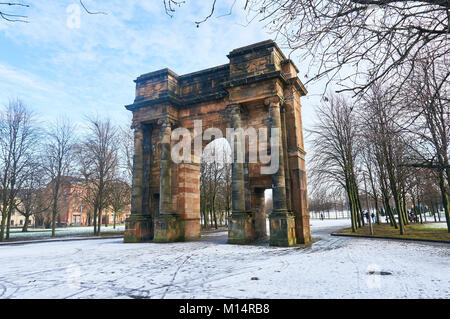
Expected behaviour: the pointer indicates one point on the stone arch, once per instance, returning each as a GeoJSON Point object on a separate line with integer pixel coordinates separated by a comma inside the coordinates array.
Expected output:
{"type": "Point", "coordinates": [258, 89]}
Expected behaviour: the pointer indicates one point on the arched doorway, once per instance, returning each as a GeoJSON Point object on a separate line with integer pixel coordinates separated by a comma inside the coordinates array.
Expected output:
{"type": "Point", "coordinates": [215, 185]}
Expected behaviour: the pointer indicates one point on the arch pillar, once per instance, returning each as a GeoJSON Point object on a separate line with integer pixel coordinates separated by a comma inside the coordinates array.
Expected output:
{"type": "Point", "coordinates": [169, 226]}
{"type": "Point", "coordinates": [282, 221]}
{"type": "Point", "coordinates": [259, 212]}
{"type": "Point", "coordinates": [139, 226]}
{"type": "Point", "coordinates": [241, 223]}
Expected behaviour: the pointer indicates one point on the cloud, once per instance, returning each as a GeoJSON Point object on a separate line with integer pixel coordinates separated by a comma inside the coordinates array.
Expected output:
{"type": "Point", "coordinates": [92, 68]}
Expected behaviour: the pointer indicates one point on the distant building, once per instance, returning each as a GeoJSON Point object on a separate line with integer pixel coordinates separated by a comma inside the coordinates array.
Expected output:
{"type": "Point", "coordinates": [18, 220]}
{"type": "Point", "coordinates": [73, 211]}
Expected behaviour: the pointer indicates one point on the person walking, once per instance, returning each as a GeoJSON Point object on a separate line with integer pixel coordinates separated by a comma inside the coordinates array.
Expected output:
{"type": "Point", "coordinates": [367, 215]}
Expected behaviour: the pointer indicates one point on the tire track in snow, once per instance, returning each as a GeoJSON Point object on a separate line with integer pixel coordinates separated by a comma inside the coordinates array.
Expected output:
{"type": "Point", "coordinates": [175, 275]}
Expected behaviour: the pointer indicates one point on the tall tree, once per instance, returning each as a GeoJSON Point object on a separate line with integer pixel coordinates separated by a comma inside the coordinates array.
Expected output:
{"type": "Point", "coordinates": [428, 99]}
{"type": "Point", "coordinates": [384, 124]}
{"type": "Point", "coordinates": [333, 162]}
{"type": "Point", "coordinates": [31, 198]}
{"type": "Point", "coordinates": [119, 198]}
{"type": "Point", "coordinates": [58, 159]}
{"type": "Point", "coordinates": [98, 154]}
{"type": "Point", "coordinates": [18, 140]}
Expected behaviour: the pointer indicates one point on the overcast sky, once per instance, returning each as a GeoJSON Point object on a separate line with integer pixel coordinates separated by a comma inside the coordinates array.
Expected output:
{"type": "Point", "coordinates": [61, 65]}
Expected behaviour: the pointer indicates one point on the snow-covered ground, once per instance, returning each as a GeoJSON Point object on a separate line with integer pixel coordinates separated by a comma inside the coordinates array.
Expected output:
{"type": "Point", "coordinates": [334, 267]}
{"type": "Point", "coordinates": [63, 232]}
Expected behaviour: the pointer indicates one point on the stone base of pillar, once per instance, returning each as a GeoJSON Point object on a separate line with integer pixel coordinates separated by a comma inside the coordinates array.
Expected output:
{"type": "Point", "coordinates": [303, 233]}
{"type": "Point", "coordinates": [241, 229]}
{"type": "Point", "coordinates": [191, 229]}
{"type": "Point", "coordinates": [282, 229]}
{"type": "Point", "coordinates": [138, 229]}
{"type": "Point", "coordinates": [260, 226]}
{"type": "Point", "coordinates": [168, 229]}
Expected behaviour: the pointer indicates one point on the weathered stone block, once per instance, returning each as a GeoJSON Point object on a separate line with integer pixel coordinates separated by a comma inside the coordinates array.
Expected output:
{"type": "Point", "coordinates": [282, 229]}
{"type": "Point", "coordinates": [241, 228]}
{"type": "Point", "coordinates": [169, 228]}
{"type": "Point", "coordinates": [138, 229]}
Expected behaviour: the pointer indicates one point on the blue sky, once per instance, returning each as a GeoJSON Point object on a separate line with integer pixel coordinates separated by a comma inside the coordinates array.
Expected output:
{"type": "Point", "coordinates": [59, 67]}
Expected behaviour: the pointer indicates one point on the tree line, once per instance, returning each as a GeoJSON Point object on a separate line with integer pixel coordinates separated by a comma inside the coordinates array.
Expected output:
{"type": "Point", "coordinates": [391, 144]}
{"type": "Point", "coordinates": [37, 159]}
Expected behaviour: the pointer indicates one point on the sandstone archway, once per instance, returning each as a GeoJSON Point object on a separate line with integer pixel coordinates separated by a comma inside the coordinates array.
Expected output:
{"type": "Point", "coordinates": [259, 88]}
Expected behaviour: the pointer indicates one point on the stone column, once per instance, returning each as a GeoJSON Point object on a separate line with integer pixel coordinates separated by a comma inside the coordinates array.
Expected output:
{"type": "Point", "coordinates": [138, 227]}
{"type": "Point", "coordinates": [168, 225]}
{"type": "Point", "coordinates": [165, 182]}
{"type": "Point", "coordinates": [237, 169]}
{"type": "Point", "coordinates": [241, 228]}
{"type": "Point", "coordinates": [138, 166]}
{"type": "Point", "coordinates": [259, 209]}
{"type": "Point", "coordinates": [282, 222]}
{"type": "Point", "coordinates": [286, 160]}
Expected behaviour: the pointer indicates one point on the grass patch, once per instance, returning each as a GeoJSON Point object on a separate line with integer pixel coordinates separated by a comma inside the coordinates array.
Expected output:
{"type": "Point", "coordinates": [413, 231]}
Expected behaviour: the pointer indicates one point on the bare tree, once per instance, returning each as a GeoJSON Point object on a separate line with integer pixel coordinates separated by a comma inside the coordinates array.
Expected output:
{"type": "Point", "coordinates": [31, 198]}
{"type": "Point", "coordinates": [368, 40]}
{"type": "Point", "coordinates": [119, 198]}
{"type": "Point", "coordinates": [335, 151]}
{"type": "Point", "coordinates": [18, 140]}
{"type": "Point", "coordinates": [58, 160]}
{"type": "Point", "coordinates": [215, 185]}
{"type": "Point", "coordinates": [385, 126]}
{"type": "Point", "coordinates": [98, 156]}
{"type": "Point", "coordinates": [126, 135]}
{"type": "Point", "coordinates": [428, 98]}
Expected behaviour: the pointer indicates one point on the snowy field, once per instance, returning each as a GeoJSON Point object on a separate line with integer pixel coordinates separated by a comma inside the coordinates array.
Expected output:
{"type": "Point", "coordinates": [334, 267]}
{"type": "Point", "coordinates": [62, 232]}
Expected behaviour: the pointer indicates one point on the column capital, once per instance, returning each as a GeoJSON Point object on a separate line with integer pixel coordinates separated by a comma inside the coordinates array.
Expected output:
{"type": "Point", "coordinates": [234, 108]}
{"type": "Point", "coordinates": [273, 101]}
{"type": "Point", "coordinates": [137, 126]}
{"type": "Point", "coordinates": [167, 121]}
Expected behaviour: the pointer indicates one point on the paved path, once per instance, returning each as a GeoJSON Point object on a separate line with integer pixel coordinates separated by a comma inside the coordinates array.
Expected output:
{"type": "Point", "coordinates": [333, 267]}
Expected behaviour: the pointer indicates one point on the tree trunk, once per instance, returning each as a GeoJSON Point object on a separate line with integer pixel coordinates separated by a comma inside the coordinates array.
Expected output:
{"type": "Point", "coordinates": [99, 223]}
{"type": "Point", "coordinates": [391, 214]}
{"type": "Point", "coordinates": [55, 205]}
{"type": "Point", "coordinates": [351, 205]}
{"type": "Point", "coordinates": [2, 229]}
{"type": "Point", "coordinates": [8, 222]}
{"type": "Point", "coordinates": [94, 219]}
{"type": "Point", "coordinates": [25, 226]}
{"type": "Point", "coordinates": [106, 219]}
{"type": "Point", "coordinates": [445, 199]}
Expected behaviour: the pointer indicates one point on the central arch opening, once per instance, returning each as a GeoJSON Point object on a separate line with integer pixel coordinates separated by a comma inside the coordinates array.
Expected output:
{"type": "Point", "coordinates": [215, 186]}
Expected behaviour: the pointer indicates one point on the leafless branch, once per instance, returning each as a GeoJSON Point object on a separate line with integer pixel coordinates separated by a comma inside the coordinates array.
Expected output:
{"type": "Point", "coordinates": [91, 12]}
{"type": "Point", "coordinates": [10, 17]}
